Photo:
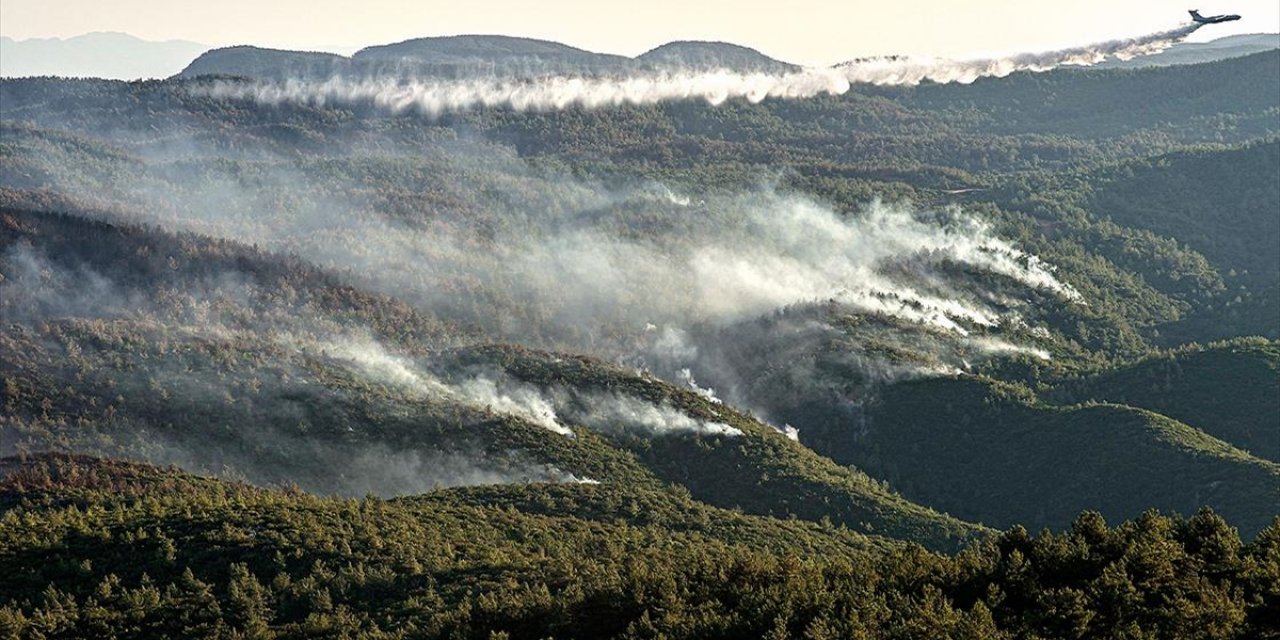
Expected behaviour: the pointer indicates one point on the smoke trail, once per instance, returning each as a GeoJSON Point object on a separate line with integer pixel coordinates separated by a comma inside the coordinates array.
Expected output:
{"type": "Point", "coordinates": [382, 471]}
{"type": "Point", "coordinates": [434, 97]}
{"type": "Point", "coordinates": [372, 360]}
{"type": "Point", "coordinates": [619, 414]}
{"type": "Point", "coordinates": [910, 72]}
{"type": "Point", "coordinates": [686, 376]}
{"type": "Point", "coordinates": [608, 413]}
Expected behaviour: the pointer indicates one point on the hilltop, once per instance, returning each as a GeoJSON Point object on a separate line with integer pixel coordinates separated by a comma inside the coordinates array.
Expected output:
{"type": "Point", "coordinates": [487, 54]}
{"type": "Point", "coordinates": [692, 54]}
{"type": "Point", "coordinates": [478, 55]}
{"type": "Point", "coordinates": [257, 62]}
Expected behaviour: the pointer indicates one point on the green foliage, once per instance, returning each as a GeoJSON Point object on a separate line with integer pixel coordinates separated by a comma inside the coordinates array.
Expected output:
{"type": "Point", "coordinates": [129, 551]}
{"type": "Point", "coordinates": [1230, 390]}
{"type": "Point", "coordinates": [1022, 462]}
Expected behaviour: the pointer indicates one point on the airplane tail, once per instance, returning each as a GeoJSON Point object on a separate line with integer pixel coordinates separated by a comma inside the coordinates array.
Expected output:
{"type": "Point", "coordinates": [1195, 15]}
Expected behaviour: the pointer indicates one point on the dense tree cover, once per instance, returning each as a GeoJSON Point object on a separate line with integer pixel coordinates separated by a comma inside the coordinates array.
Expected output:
{"type": "Point", "coordinates": [1012, 450]}
{"type": "Point", "coordinates": [134, 387]}
{"type": "Point", "coordinates": [1230, 390]}
{"type": "Point", "coordinates": [1220, 204]}
{"type": "Point", "coordinates": [110, 548]}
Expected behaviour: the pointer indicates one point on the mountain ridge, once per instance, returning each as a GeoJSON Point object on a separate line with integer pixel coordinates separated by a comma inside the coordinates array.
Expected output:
{"type": "Point", "coordinates": [482, 54]}
{"type": "Point", "coordinates": [84, 55]}
{"type": "Point", "coordinates": [107, 54]}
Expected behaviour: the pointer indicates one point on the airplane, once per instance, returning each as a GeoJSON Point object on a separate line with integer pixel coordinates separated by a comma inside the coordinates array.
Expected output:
{"type": "Point", "coordinates": [1195, 15]}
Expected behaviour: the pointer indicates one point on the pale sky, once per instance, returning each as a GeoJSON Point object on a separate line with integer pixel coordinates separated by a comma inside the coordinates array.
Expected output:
{"type": "Point", "coordinates": [801, 31]}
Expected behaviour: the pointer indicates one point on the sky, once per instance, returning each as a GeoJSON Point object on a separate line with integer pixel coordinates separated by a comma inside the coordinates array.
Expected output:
{"type": "Point", "coordinates": [816, 32]}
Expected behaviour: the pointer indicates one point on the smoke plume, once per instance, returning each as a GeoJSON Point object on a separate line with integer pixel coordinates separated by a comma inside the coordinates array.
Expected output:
{"type": "Point", "coordinates": [493, 392]}
{"type": "Point", "coordinates": [618, 414]}
{"type": "Point", "coordinates": [434, 97]}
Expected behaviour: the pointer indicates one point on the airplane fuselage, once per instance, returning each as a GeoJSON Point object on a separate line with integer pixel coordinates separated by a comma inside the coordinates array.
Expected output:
{"type": "Point", "coordinates": [1195, 15]}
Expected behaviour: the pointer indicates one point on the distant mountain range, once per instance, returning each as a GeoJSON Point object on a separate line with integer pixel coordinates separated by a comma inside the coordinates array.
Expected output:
{"type": "Point", "coordinates": [101, 55]}
{"type": "Point", "coordinates": [121, 56]}
{"type": "Point", "coordinates": [470, 55]}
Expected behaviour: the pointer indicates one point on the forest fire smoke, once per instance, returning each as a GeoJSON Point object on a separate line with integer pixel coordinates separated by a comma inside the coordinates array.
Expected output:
{"type": "Point", "coordinates": [434, 97]}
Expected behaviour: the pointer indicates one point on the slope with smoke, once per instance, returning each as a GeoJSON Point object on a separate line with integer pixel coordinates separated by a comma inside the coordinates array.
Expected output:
{"type": "Point", "coordinates": [535, 257]}
{"type": "Point", "coordinates": [552, 261]}
{"type": "Point", "coordinates": [619, 414]}
{"type": "Point", "coordinates": [692, 285]}
{"type": "Point", "coordinates": [491, 391]}
{"type": "Point", "coordinates": [495, 391]}
{"type": "Point", "coordinates": [434, 97]}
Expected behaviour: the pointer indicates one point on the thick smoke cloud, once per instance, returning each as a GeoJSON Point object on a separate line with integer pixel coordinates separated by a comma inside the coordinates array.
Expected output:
{"type": "Point", "coordinates": [619, 271]}
{"type": "Point", "coordinates": [557, 262]}
{"type": "Point", "coordinates": [434, 97]}
{"type": "Point", "coordinates": [741, 291]}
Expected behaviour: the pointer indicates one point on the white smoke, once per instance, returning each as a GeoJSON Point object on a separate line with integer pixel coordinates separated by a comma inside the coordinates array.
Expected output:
{"type": "Point", "coordinates": [496, 394]}
{"type": "Point", "coordinates": [607, 413]}
{"type": "Point", "coordinates": [562, 263]}
{"type": "Point", "coordinates": [373, 361]}
{"type": "Point", "coordinates": [743, 256]}
{"type": "Point", "coordinates": [789, 431]}
{"type": "Point", "coordinates": [686, 376]}
{"type": "Point", "coordinates": [989, 345]}
{"type": "Point", "coordinates": [434, 97]}
{"type": "Point", "coordinates": [512, 398]}
{"type": "Point", "coordinates": [619, 414]}
{"type": "Point", "coordinates": [388, 473]}
{"type": "Point", "coordinates": [803, 252]}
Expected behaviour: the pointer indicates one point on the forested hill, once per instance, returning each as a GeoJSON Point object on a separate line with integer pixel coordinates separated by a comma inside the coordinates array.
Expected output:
{"type": "Point", "coordinates": [157, 553]}
{"type": "Point", "coordinates": [1230, 390]}
{"type": "Point", "coordinates": [1218, 203]}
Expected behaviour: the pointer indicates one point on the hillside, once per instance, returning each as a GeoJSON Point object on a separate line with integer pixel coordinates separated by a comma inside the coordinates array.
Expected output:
{"type": "Point", "coordinates": [922, 436]}
{"type": "Point", "coordinates": [321, 400]}
{"type": "Point", "coordinates": [293, 565]}
{"type": "Point", "coordinates": [1229, 390]}
{"type": "Point", "coordinates": [1220, 203]}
